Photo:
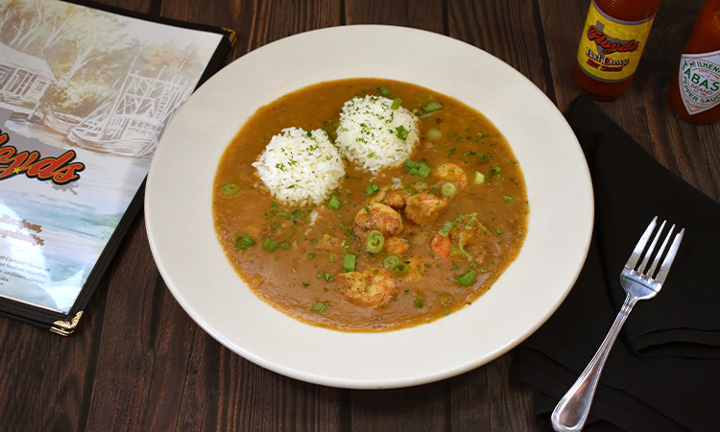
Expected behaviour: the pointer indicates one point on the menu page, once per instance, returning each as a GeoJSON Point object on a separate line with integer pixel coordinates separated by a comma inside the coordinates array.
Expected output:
{"type": "Point", "coordinates": [84, 96]}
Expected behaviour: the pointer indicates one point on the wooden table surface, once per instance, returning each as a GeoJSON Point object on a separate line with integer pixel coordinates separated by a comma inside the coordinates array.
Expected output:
{"type": "Point", "coordinates": [137, 362]}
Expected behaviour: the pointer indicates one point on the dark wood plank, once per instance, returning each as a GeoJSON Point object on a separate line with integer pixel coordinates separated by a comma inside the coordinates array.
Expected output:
{"type": "Point", "coordinates": [510, 31]}
{"type": "Point", "coordinates": [421, 14]}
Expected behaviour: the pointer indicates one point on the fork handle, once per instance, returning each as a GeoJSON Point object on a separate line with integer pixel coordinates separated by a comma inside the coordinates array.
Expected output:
{"type": "Point", "coordinates": [572, 411]}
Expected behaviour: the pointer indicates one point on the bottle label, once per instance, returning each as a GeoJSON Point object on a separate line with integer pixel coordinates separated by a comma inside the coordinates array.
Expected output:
{"type": "Point", "coordinates": [699, 78]}
{"type": "Point", "coordinates": [610, 49]}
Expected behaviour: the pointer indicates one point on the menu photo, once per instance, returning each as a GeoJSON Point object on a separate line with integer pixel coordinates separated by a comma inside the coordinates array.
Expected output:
{"type": "Point", "coordinates": [85, 95]}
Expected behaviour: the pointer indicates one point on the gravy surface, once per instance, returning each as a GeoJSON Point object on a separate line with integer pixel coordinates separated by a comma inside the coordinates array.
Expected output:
{"type": "Point", "coordinates": [455, 249]}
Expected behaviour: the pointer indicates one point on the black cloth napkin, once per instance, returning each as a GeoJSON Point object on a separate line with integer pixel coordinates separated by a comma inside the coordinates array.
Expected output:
{"type": "Point", "coordinates": [663, 373]}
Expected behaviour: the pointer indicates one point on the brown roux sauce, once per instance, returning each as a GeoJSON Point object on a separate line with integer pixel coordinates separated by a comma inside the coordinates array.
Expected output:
{"type": "Point", "coordinates": [304, 277]}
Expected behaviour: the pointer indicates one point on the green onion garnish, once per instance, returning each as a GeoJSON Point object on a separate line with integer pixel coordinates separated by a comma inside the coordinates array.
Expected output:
{"type": "Point", "coordinates": [396, 104]}
{"type": "Point", "coordinates": [479, 178]}
{"type": "Point", "coordinates": [495, 171]}
{"type": "Point", "coordinates": [230, 189]}
{"type": "Point", "coordinates": [243, 241]}
{"type": "Point", "coordinates": [445, 231]}
{"type": "Point", "coordinates": [319, 307]}
{"type": "Point", "coordinates": [432, 106]}
{"type": "Point", "coordinates": [387, 93]}
{"type": "Point", "coordinates": [391, 261]}
{"type": "Point", "coordinates": [419, 169]}
{"type": "Point", "coordinates": [285, 245]}
{"type": "Point", "coordinates": [467, 278]}
{"type": "Point", "coordinates": [418, 303]}
{"type": "Point", "coordinates": [402, 133]}
{"type": "Point", "coordinates": [434, 134]}
{"type": "Point", "coordinates": [375, 241]}
{"type": "Point", "coordinates": [448, 190]}
{"type": "Point", "coordinates": [270, 245]}
{"type": "Point", "coordinates": [349, 264]}
{"type": "Point", "coordinates": [372, 189]}
{"type": "Point", "coordinates": [334, 203]}
{"type": "Point", "coordinates": [401, 268]}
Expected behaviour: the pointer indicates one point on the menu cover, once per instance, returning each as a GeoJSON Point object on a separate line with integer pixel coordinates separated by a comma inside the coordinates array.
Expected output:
{"type": "Point", "coordinates": [86, 90]}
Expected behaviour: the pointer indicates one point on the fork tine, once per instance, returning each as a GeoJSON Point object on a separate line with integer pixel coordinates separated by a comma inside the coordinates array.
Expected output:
{"type": "Point", "coordinates": [660, 251]}
{"type": "Point", "coordinates": [637, 253]}
{"type": "Point", "coordinates": [665, 267]}
{"type": "Point", "coordinates": [651, 249]}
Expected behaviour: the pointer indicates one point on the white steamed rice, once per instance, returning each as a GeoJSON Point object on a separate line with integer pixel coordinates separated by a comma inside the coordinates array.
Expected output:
{"type": "Point", "coordinates": [300, 167]}
{"type": "Point", "coordinates": [368, 134]}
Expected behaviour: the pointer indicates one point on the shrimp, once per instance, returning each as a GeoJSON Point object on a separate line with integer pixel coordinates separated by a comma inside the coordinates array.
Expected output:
{"type": "Point", "coordinates": [371, 287]}
{"type": "Point", "coordinates": [397, 246]}
{"type": "Point", "coordinates": [423, 208]}
{"type": "Point", "coordinates": [440, 246]}
{"type": "Point", "coordinates": [449, 173]}
{"type": "Point", "coordinates": [379, 217]}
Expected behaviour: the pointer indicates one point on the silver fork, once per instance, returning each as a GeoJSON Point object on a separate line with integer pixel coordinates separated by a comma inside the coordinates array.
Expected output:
{"type": "Point", "coordinates": [640, 283]}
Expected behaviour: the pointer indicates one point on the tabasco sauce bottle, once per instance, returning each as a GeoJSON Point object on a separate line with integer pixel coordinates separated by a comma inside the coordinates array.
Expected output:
{"type": "Point", "coordinates": [612, 42]}
{"type": "Point", "coordinates": [695, 90]}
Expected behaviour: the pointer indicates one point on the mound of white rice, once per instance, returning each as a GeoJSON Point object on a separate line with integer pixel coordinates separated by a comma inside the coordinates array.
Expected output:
{"type": "Point", "coordinates": [300, 167]}
{"type": "Point", "coordinates": [375, 136]}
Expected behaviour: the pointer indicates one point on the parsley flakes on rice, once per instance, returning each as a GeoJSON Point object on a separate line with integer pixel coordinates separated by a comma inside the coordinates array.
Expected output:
{"type": "Point", "coordinates": [300, 167]}
{"type": "Point", "coordinates": [376, 132]}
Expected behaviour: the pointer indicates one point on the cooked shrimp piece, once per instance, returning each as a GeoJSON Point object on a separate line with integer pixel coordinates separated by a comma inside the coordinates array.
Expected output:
{"type": "Point", "coordinates": [418, 267]}
{"type": "Point", "coordinates": [467, 230]}
{"type": "Point", "coordinates": [440, 246]}
{"type": "Point", "coordinates": [449, 172]}
{"type": "Point", "coordinates": [372, 287]}
{"type": "Point", "coordinates": [424, 208]}
{"type": "Point", "coordinates": [394, 200]}
{"type": "Point", "coordinates": [396, 246]}
{"type": "Point", "coordinates": [379, 217]}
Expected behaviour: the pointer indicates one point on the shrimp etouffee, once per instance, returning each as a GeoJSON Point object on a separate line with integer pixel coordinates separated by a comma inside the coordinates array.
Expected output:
{"type": "Point", "coordinates": [386, 250]}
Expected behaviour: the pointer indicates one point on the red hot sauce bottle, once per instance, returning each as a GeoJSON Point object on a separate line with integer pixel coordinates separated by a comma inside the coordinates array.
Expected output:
{"type": "Point", "coordinates": [612, 42]}
{"type": "Point", "coordinates": [695, 90]}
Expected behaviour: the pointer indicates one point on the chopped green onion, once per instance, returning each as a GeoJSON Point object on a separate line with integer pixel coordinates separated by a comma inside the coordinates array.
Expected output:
{"type": "Point", "coordinates": [418, 303]}
{"type": "Point", "coordinates": [419, 169]}
{"type": "Point", "coordinates": [372, 189]}
{"type": "Point", "coordinates": [495, 171]}
{"type": "Point", "coordinates": [479, 178]}
{"type": "Point", "coordinates": [284, 215]}
{"type": "Point", "coordinates": [432, 106]}
{"type": "Point", "coordinates": [270, 245]}
{"type": "Point", "coordinates": [243, 241]}
{"type": "Point", "coordinates": [350, 260]}
{"type": "Point", "coordinates": [467, 278]}
{"type": "Point", "coordinates": [402, 133]}
{"type": "Point", "coordinates": [311, 255]}
{"type": "Point", "coordinates": [319, 307]}
{"type": "Point", "coordinates": [387, 93]}
{"type": "Point", "coordinates": [274, 204]}
{"type": "Point", "coordinates": [329, 277]}
{"type": "Point", "coordinates": [448, 190]}
{"type": "Point", "coordinates": [285, 245]}
{"type": "Point", "coordinates": [375, 242]}
{"type": "Point", "coordinates": [230, 189]}
{"type": "Point", "coordinates": [434, 134]}
{"type": "Point", "coordinates": [401, 268]}
{"type": "Point", "coordinates": [334, 203]}
{"type": "Point", "coordinates": [445, 231]}
{"type": "Point", "coordinates": [507, 198]}
{"type": "Point", "coordinates": [391, 261]}
{"type": "Point", "coordinates": [396, 104]}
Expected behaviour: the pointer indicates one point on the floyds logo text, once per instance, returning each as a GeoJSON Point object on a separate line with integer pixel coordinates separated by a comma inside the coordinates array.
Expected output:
{"type": "Point", "coordinates": [610, 49]}
{"type": "Point", "coordinates": [700, 81]}
{"type": "Point", "coordinates": [61, 170]}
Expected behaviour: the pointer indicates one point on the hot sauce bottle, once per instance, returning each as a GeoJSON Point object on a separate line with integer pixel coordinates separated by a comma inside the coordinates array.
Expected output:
{"type": "Point", "coordinates": [695, 90]}
{"type": "Point", "coordinates": [612, 42]}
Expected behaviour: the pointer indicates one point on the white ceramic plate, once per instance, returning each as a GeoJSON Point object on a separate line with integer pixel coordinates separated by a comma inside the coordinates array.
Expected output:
{"type": "Point", "coordinates": [180, 225]}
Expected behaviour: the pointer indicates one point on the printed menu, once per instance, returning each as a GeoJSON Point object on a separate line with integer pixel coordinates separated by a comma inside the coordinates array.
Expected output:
{"type": "Point", "coordinates": [85, 93]}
